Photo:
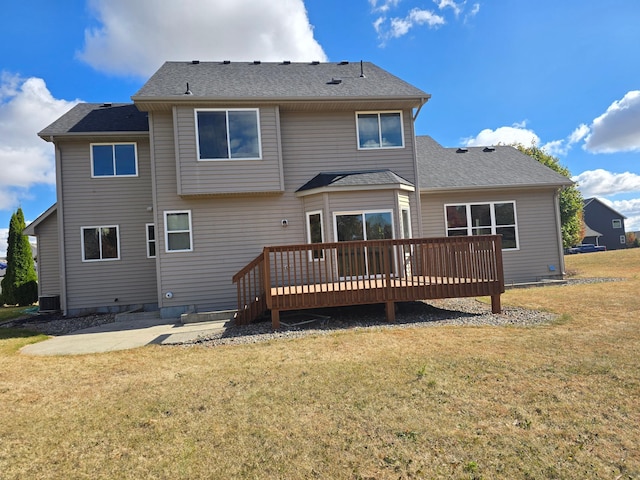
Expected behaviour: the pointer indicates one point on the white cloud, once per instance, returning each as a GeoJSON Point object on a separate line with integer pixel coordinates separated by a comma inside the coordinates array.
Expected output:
{"type": "Point", "coordinates": [400, 26]}
{"type": "Point", "coordinates": [442, 4]}
{"type": "Point", "coordinates": [383, 6]}
{"type": "Point", "coordinates": [26, 107]}
{"type": "Point", "coordinates": [561, 147]}
{"type": "Point", "coordinates": [4, 236]}
{"type": "Point", "coordinates": [135, 38]}
{"type": "Point", "coordinates": [602, 182]}
{"type": "Point", "coordinates": [504, 135]}
{"type": "Point", "coordinates": [618, 129]}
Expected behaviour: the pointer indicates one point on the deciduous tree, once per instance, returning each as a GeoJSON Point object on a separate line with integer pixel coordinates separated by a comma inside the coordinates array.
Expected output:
{"type": "Point", "coordinates": [571, 200]}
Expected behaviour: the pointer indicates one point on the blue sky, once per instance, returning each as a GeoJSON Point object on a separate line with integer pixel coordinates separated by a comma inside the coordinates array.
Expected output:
{"type": "Point", "coordinates": [564, 74]}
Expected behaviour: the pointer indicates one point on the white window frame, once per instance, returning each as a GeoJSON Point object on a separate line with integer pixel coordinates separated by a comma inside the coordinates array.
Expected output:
{"type": "Point", "coordinates": [167, 232]}
{"type": "Point", "coordinates": [493, 226]}
{"type": "Point", "coordinates": [99, 227]}
{"type": "Point", "coordinates": [227, 110]}
{"type": "Point", "coordinates": [363, 213]}
{"type": "Point", "coordinates": [308, 215]}
{"type": "Point", "coordinates": [402, 222]}
{"type": "Point", "coordinates": [616, 223]}
{"type": "Point", "coordinates": [381, 147]}
{"type": "Point", "coordinates": [149, 241]}
{"type": "Point", "coordinates": [113, 145]}
{"type": "Point", "coordinates": [623, 239]}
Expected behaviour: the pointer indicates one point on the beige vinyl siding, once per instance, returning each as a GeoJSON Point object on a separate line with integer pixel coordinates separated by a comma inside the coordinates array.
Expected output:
{"type": "Point", "coordinates": [48, 256]}
{"type": "Point", "coordinates": [228, 176]}
{"type": "Point", "coordinates": [536, 223]}
{"type": "Point", "coordinates": [106, 201]}
{"type": "Point", "coordinates": [229, 231]}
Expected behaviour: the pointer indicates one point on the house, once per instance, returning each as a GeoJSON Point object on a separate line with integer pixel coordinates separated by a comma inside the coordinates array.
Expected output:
{"type": "Point", "coordinates": [476, 190]}
{"type": "Point", "coordinates": [604, 225]}
{"type": "Point", "coordinates": [160, 203]}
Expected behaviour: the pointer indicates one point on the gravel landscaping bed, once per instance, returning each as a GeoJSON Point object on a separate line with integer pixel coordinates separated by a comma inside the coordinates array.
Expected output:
{"type": "Point", "coordinates": [455, 311]}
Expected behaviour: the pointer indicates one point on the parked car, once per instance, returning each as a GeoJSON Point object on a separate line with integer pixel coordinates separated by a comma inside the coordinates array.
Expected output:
{"type": "Point", "coordinates": [586, 248]}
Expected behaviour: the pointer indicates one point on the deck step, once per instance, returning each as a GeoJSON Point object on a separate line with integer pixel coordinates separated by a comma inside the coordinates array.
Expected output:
{"type": "Point", "coordinates": [199, 317]}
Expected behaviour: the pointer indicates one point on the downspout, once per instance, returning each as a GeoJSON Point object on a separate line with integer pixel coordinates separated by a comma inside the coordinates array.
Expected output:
{"type": "Point", "coordinates": [556, 201]}
{"type": "Point", "coordinates": [416, 173]}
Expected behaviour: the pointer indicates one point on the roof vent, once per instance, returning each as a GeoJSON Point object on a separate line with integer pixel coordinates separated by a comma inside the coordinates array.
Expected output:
{"type": "Point", "coordinates": [489, 149]}
{"type": "Point", "coordinates": [257, 62]}
{"type": "Point", "coordinates": [188, 92]}
{"type": "Point", "coordinates": [106, 105]}
{"type": "Point", "coordinates": [195, 62]}
{"type": "Point", "coordinates": [344, 62]}
{"type": "Point", "coordinates": [462, 150]}
{"type": "Point", "coordinates": [226, 62]}
{"type": "Point", "coordinates": [335, 81]}
{"type": "Point", "coordinates": [286, 62]}
{"type": "Point", "coordinates": [315, 62]}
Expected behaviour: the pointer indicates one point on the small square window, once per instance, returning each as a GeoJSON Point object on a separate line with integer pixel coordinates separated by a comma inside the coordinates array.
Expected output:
{"type": "Point", "coordinates": [616, 223]}
{"type": "Point", "coordinates": [228, 134]}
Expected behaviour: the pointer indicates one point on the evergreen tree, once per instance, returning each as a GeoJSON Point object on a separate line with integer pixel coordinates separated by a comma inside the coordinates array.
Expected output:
{"type": "Point", "coordinates": [19, 285]}
{"type": "Point", "coordinates": [571, 201]}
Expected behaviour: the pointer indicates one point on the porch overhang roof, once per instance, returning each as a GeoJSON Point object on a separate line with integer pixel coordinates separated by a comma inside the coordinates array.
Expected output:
{"type": "Point", "coordinates": [355, 181]}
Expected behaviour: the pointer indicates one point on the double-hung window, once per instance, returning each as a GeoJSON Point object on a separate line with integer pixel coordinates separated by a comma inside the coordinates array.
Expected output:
{"type": "Point", "coordinates": [114, 160]}
{"type": "Point", "coordinates": [379, 130]}
{"type": "Point", "coordinates": [177, 227]}
{"type": "Point", "coordinates": [228, 134]}
{"type": "Point", "coordinates": [494, 218]}
{"type": "Point", "coordinates": [100, 243]}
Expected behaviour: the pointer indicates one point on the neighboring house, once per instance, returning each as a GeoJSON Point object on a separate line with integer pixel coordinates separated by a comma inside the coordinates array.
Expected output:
{"type": "Point", "coordinates": [495, 190]}
{"type": "Point", "coordinates": [161, 202]}
{"type": "Point", "coordinates": [604, 226]}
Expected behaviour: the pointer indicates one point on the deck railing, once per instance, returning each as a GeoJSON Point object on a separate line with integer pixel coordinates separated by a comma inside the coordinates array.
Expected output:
{"type": "Point", "coordinates": [375, 271]}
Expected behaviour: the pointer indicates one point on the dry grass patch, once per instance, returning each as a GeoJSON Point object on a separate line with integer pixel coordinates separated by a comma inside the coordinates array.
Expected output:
{"type": "Point", "coordinates": [555, 401]}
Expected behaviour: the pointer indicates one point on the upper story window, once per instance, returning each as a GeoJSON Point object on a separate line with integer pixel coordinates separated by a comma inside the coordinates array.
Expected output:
{"type": "Point", "coordinates": [114, 160]}
{"type": "Point", "coordinates": [616, 223]}
{"type": "Point", "coordinates": [380, 130]}
{"type": "Point", "coordinates": [228, 134]}
{"type": "Point", "coordinates": [495, 218]}
{"type": "Point", "coordinates": [100, 243]}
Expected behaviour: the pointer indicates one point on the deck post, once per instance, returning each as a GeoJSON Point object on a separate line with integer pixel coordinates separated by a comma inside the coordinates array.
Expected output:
{"type": "Point", "coordinates": [495, 304]}
{"type": "Point", "coordinates": [390, 310]}
{"type": "Point", "coordinates": [275, 319]}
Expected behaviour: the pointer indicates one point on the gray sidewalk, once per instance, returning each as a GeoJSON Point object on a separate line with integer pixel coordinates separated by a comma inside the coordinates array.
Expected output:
{"type": "Point", "coordinates": [123, 335]}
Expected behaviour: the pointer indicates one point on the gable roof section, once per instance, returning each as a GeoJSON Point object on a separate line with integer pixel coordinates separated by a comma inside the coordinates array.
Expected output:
{"type": "Point", "coordinates": [356, 180]}
{"type": "Point", "coordinates": [257, 81]}
{"type": "Point", "coordinates": [588, 201]}
{"type": "Point", "coordinates": [472, 168]}
{"type": "Point", "coordinates": [31, 228]}
{"type": "Point", "coordinates": [91, 118]}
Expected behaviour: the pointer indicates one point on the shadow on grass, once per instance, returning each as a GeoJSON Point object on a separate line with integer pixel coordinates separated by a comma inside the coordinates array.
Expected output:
{"type": "Point", "coordinates": [15, 333]}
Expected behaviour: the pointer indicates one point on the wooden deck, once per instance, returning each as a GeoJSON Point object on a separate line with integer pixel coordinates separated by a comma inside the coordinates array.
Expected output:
{"type": "Point", "coordinates": [378, 271]}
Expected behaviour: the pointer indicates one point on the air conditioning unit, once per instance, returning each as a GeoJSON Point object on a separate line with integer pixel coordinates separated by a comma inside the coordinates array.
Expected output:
{"type": "Point", "coordinates": [49, 303]}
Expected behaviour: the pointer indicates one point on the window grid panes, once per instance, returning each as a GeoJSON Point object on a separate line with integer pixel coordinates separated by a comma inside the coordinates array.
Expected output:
{"type": "Point", "coordinates": [178, 231]}
{"type": "Point", "coordinates": [616, 223]}
{"type": "Point", "coordinates": [228, 134]}
{"type": "Point", "coordinates": [151, 240]}
{"type": "Point", "coordinates": [114, 160]}
{"type": "Point", "coordinates": [494, 218]}
{"type": "Point", "coordinates": [100, 243]}
{"type": "Point", "coordinates": [380, 130]}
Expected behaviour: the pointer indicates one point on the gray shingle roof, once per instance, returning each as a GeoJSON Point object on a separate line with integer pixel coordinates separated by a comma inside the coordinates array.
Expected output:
{"type": "Point", "coordinates": [354, 179]}
{"type": "Point", "coordinates": [99, 118]}
{"type": "Point", "coordinates": [270, 81]}
{"type": "Point", "coordinates": [480, 167]}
